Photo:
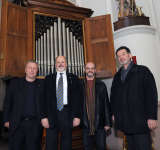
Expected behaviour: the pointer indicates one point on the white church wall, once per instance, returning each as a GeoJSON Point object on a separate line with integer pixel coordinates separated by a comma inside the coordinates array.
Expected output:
{"type": "Point", "coordinates": [142, 42]}
{"type": "Point", "coordinates": [101, 7]}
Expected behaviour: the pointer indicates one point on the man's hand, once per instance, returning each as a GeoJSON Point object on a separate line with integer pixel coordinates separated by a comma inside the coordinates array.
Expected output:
{"type": "Point", "coordinates": [106, 128]}
{"type": "Point", "coordinates": [6, 124]}
{"type": "Point", "coordinates": [112, 117]}
{"type": "Point", "coordinates": [152, 124]}
{"type": "Point", "coordinates": [76, 122]}
{"type": "Point", "coordinates": [45, 122]}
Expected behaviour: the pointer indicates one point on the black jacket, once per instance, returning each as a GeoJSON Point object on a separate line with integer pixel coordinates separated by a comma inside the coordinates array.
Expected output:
{"type": "Point", "coordinates": [134, 101]}
{"type": "Point", "coordinates": [15, 98]}
{"type": "Point", "coordinates": [50, 100]}
{"type": "Point", "coordinates": [102, 106]}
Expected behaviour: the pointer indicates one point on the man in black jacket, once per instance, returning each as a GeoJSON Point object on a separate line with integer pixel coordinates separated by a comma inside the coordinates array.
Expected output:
{"type": "Point", "coordinates": [22, 107]}
{"type": "Point", "coordinates": [134, 101]}
{"type": "Point", "coordinates": [61, 106]}
{"type": "Point", "coordinates": [96, 111]}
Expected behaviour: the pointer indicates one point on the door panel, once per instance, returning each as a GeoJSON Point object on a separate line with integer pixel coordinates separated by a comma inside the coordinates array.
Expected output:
{"type": "Point", "coordinates": [99, 47]}
{"type": "Point", "coordinates": [14, 40]}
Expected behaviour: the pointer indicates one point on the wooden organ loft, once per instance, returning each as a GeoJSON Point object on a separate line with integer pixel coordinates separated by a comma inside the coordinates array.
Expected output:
{"type": "Point", "coordinates": [44, 29]}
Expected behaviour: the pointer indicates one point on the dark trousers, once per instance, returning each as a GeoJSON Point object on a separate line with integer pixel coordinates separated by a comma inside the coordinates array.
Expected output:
{"type": "Point", "coordinates": [98, 140]}
{"type": "Point", "coordinates": [139, 141]}
{"type": "Point", "coordinates": [1, 124]}
{"type": "Point", "coordinates": [27, 136]}
{"type": "Point", "coordinates": [64, 126]}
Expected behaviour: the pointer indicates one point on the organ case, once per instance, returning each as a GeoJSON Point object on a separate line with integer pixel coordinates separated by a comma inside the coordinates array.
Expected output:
{"type": "Point", "coordinates": [78, 37]}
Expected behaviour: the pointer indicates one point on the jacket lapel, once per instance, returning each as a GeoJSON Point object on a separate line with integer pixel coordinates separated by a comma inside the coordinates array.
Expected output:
{"type": "Point", "coordinates": [69, 84]}
{"type": "Point", "coordinates": [22, 94]}
{"type": "Point", "coordinates": [53, 85]}
{"type": "Point", "coordinates": [54, 77]}
{"type": "Point", "coordinates": [22, 90]}
{"type": "Point", "coordinates": [129, 74]}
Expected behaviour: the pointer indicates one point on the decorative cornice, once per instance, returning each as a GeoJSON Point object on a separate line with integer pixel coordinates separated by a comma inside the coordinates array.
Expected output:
{"type": "Point", "coordinates": [140, 29]}
{"type": "Point", "coordinates": [60, 6]}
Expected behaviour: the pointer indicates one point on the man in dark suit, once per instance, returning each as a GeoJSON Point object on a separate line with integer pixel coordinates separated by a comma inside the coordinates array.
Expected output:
{"type": "Point", "coordinates": [62, 101]}
{"type": "Point", "coordinates": [134, 101]}
{"type": "Point", "coordinates": [22, 107]}
{"type": "Point", "coordinates": [96, 110]}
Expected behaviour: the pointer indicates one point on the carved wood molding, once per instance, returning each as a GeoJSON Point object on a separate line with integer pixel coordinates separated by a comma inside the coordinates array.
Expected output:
{"type": "Point", "coordinates": [60, 5]}
{"type": "Point", "coordinates": [25, 2]}
{"type": "Point", "coordinates": [131, 21]}
{"type": "Point", "coordinates": [64, 2]}
{"type": "Point", "coordinates": [57, 5]}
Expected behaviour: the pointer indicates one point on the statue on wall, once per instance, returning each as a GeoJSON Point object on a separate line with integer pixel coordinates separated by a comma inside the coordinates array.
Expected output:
{"type": "Point", "coordinates": [129, 8]}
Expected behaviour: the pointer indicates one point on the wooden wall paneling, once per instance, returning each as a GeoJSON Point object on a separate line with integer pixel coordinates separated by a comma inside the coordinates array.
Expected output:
{"type": "Point", "coordinates": [1, 56]}
{"type": "Point", "coordinates": [77, 143]}
{"type": "Point", "coordinates": [30, 34]}
{"type": "Point", "coordinates": [110, 50]}
{"type": "Point", "coordinates": [16, 55]}
{"type": "Point", "coordinates": [3, 31]}
{"type": "Point", "coordinates": [99, 47]}
{"type": "Point", "coordinates": [0, 12]}
{"type": "Point", "coordinates": [16, 40]}
{"type": "Point", "coordinates": [14, 43]}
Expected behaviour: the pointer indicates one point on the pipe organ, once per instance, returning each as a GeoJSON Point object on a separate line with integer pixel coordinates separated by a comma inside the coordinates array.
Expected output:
{"type": "Point", "coordinates": [44, 29]}
{"type": "Point", "coordinates": [56, 36]}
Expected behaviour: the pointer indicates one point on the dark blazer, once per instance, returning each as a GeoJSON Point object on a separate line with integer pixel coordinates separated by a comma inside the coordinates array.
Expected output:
{"type": "Point", "coordinates": [50, 100]}
{"type": "Point", "coordinates": [102, 106]}
{"type": "Point", "coordinates": [134, 101]}
{"type": "Point", "coordinates": [15, 98]}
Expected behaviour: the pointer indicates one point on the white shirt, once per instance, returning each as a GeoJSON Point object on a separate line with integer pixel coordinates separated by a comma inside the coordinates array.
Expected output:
{"type": "Point", "coordinates": [65, 100]}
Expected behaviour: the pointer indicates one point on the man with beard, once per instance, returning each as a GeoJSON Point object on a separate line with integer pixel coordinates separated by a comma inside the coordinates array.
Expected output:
{"type": "Point", "coordinates": [22, 110]}
{"type": "Point", "coordinates": [134, 101]}
{"type": "Point", "coordinates": [96, 110]}
{"type": "Point", "coordinates": [61, 106]}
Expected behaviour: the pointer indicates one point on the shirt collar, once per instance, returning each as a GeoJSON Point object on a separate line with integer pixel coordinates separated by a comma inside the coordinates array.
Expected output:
{"type": "Point", "coordinates": [129, 66]}
{"type": "Point", "coordinates": [63, 72]}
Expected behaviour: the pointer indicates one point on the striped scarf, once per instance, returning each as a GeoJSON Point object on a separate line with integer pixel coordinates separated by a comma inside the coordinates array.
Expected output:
{"type": "Point", "coordinates": [90, 104]}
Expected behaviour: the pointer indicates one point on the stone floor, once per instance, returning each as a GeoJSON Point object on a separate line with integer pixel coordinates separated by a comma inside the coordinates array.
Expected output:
{"type": "Point", "coordinates": [4, 139]}
{"type": "Point", "coordinates": [3, 144]}
{"type": "Point", "coordinates": [114, 142]}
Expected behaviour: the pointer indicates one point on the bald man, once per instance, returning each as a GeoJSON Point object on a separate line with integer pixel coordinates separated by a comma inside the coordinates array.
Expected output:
{"type": "Point", "coordinates": [62, 109]}
{"type": "Point", "coordinates": [96, 110]}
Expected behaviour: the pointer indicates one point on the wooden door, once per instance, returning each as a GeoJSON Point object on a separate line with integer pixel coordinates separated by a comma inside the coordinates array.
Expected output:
{"type": "Point", "coordinates": [13, 39]}
{"type": "Point", "coordinates": [99, 47]}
